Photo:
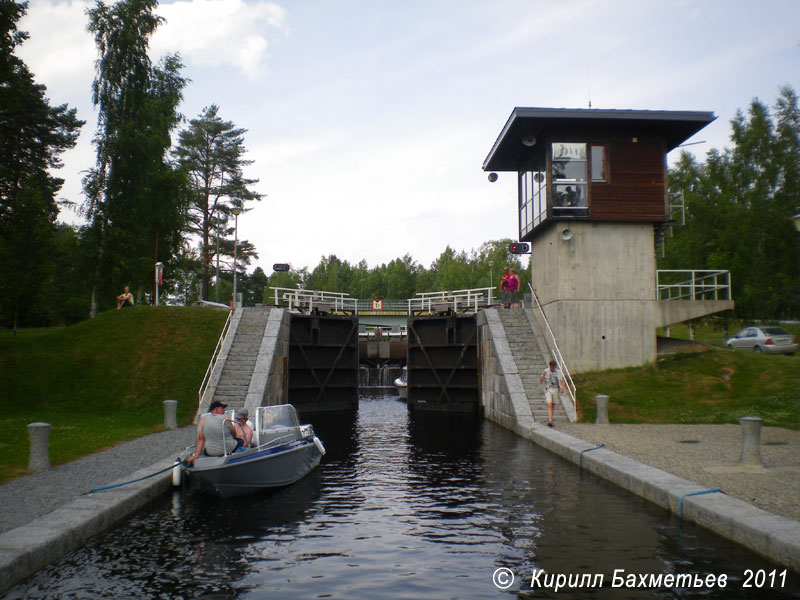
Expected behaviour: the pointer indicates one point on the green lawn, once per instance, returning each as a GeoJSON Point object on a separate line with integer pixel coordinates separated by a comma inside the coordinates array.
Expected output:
{"type": "Point", "coordinates": [713, 386]}
{"type": "Point", "coordinates": [101, 381]}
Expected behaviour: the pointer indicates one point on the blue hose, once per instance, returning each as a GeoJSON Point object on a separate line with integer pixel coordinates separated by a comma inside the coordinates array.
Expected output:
{"type": "Point", "coordinates": [116, 485]}
{"type": "Point", "coordinates": [588, 450]}
{"type": "Point", "coordinates": [680, 502]}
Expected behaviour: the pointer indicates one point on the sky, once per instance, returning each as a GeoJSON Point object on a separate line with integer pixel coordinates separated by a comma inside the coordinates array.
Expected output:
{"type": "Point", "coordinates": [368, 122]}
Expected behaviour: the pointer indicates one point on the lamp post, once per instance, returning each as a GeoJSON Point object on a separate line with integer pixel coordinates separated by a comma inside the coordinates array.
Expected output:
{"type": "Point", "coordinates": [796, 221]}
{"type": "Point", "coordinates": [236, 212]}
{"type": "Point", "coordinates": [491, 279]}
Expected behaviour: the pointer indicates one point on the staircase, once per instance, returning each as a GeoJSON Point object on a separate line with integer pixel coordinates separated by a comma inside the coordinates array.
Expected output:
{"type": "Point", "coordinates": [234, 381]}
{"type": "Point", "coordinates": [530, 362]}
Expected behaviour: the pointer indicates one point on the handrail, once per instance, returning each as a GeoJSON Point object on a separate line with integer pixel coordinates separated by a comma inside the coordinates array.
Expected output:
{"type": "Point", "coordinates": [472, 298]}
{"type": "Point", "coordinates": [299, 299]}
{"type": "Point", "coordinates": [571, 389]}
{"type": "Point", "coordinates": [214, 356]}
{"type": "Point", "coordinates": [701, 284]}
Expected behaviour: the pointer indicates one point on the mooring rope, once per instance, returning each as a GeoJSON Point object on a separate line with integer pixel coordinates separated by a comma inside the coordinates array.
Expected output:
{"type": "Point", "coordinates": [116, 485]}
{"type": "Point", "coordinates": [588, 450]}
{"type": "Point", "coordinates": [680, 502]}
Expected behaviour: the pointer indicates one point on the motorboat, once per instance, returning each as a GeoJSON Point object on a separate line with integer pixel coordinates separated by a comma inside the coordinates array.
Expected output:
{"type": "Point", "coordinates": [283, 451]}
{"type": "Point", "coordinates": [401, 383]}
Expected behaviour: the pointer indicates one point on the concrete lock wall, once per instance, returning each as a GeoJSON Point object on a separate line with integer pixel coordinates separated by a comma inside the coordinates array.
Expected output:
{"type": "Point", "coordinates": [596, 283]}
{"type": "Point", "coordinates": [502, 394]}
{"type": "Point", "coordinates": [270, 380]}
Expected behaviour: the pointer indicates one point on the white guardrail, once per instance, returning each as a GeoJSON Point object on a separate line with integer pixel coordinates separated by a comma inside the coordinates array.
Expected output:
{"type": "Point", "coordinates": [571, 389]}
{"type": "Point", "coordinates": [311, 299]}
{"type": "Point", "coordinates": [697, 284]}
{"type": "Point", "coordinates": [214, 356]}
{"type": "Point", "coordinates": [456, 300]}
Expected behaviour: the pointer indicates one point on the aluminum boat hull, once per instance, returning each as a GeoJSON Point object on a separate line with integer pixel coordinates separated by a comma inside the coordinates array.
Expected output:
{"type": "Point", "coordinates": [255, 469]}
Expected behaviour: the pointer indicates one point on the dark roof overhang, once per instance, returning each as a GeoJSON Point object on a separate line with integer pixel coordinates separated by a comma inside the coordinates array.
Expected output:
{"type": "Point", "coordinates": [509, 153]}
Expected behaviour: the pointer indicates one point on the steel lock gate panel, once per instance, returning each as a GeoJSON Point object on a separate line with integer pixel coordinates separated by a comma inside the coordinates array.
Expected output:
{"type": "Point", "coordinates": [443, 364]}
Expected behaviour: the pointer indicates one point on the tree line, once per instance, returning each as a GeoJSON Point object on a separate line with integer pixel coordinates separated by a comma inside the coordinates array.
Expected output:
{"type": "Point", "coordinates": [164, 189]}
{"type": "Point", "coordinates": [739, 206]}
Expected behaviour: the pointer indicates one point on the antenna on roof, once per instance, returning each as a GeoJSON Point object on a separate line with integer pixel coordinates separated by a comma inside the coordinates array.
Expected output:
{"type": "Point", "coordinates": [589, 77]}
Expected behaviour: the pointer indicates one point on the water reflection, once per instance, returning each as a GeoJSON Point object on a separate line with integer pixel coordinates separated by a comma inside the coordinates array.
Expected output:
{"type": "Point", "coordinates": [401, 507]}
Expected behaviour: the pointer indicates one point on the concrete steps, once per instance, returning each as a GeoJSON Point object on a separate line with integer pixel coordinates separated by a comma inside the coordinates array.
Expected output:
{"type": "Point", "coordinates": [234, 380]}
{"type": "Point", "coordinates": [530, 362]}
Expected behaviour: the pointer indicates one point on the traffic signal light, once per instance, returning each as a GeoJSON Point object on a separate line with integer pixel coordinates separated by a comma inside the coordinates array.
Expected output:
{"type": "Point", "coordinates": [519, 248]}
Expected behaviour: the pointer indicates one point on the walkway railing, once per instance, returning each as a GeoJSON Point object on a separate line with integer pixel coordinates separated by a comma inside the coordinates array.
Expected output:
{"type": "Point", "coordinates": [337, 302]}
{"type": "Point", "coordinates": [315, 299]}
{"type": "Point", "coordinates": [571, 389]}
{"type": "Point", "coordinates": [473, 299]}
{"type": "Point", "coordinates": [383, 305]}
{"type": "Point", "coordinates": [674, 284]}
{"type": "Point", "coordinates": [214, 357]}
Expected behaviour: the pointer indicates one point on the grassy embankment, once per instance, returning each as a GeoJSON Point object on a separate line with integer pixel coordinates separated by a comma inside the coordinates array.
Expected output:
{"type": "Point", "coordinates": [712, 385]}
{"type": "Point", "coordinates": [102, 381]}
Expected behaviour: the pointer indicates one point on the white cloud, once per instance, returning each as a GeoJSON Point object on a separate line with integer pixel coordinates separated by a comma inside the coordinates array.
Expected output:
{"type": "Point", "coordinates": [60, 51]}
{"type": "Point", "coordinates": [219, 33]}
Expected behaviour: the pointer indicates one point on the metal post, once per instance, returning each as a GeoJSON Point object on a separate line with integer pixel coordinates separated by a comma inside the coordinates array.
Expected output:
{"type": "Point", "coordinates": [216, 282]}
{"type": "Point", "coordinates": [236, 213]}
{"type": "Point", "coordinates": [159, 271]}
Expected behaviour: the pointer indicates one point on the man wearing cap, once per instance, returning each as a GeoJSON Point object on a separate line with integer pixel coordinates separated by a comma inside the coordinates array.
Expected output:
{"type": "Point", "coordinates": [210, 433]}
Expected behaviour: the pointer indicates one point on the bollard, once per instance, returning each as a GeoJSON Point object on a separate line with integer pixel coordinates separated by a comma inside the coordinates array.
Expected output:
{"type": "Point", "coordinates": [170, 414]}
{"type": "Point", "coordinates": [39, 459]}
{"type": "Point", "coordinates": [751, 441]}
{"type": "Point", "coordinates": [602, 409]}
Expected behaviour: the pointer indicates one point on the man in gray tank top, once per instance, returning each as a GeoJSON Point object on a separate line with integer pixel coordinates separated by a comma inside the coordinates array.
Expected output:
{"type": "Point", "coordinates": [210, 435]}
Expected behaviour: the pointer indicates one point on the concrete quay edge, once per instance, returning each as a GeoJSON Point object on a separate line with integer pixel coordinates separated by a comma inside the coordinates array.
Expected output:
{"type": "Point", "coordinates": [31, 547]}
{"type": "Point", "coordinates": [774, 537]}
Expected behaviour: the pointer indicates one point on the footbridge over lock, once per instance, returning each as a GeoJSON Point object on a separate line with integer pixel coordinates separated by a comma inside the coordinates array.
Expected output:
{"type": "Point", "coordinates": [463, 353]}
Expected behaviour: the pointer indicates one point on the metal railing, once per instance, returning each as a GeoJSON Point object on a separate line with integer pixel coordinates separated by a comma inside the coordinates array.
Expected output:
{"type": "Point", "coordinates": [456, 300]}
{"type": "Point", "coordinates": [698, 284]}
{"type": "Point", "coordinates": [571, 389]}
{"type": "Point", "coordinates": [310, 299]}
{"type": "Point", "coordinates": [214, 357]}
{"type": "Point", "coordinates": [383, 305]}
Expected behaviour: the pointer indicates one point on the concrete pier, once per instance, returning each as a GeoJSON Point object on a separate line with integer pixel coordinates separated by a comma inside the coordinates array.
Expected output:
{"type": "Point", "coordinates": [602, 409]}
{"type": "Point", "coordinates": [751, 442]}
{"type": "Point", "coordinates": [39, 459]}
{"type": "Point", "coordinates": [170, 414]}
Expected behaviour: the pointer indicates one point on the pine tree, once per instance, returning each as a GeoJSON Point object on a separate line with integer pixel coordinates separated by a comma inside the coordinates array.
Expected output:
{"type": "Point", "coordinates": [33, 135]}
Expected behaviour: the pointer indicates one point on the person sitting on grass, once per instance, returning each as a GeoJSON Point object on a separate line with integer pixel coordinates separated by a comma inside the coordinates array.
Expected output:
{"type": "Point", "coordinates": [125, 298]}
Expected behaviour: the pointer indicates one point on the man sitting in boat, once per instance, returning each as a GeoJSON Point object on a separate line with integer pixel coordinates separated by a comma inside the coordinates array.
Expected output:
{"type": "Point", "coordinates": [210, 438]}
{"type": "Point", "coordinates": [244, 431]}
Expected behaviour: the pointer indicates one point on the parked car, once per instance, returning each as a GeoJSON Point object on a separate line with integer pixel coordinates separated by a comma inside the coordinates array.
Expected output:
{"type": "Point", "coordinates": [772, 340]}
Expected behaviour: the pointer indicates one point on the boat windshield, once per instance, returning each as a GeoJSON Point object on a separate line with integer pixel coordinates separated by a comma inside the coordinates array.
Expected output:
{"type": "Point", "coordinates": [282, 415]}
